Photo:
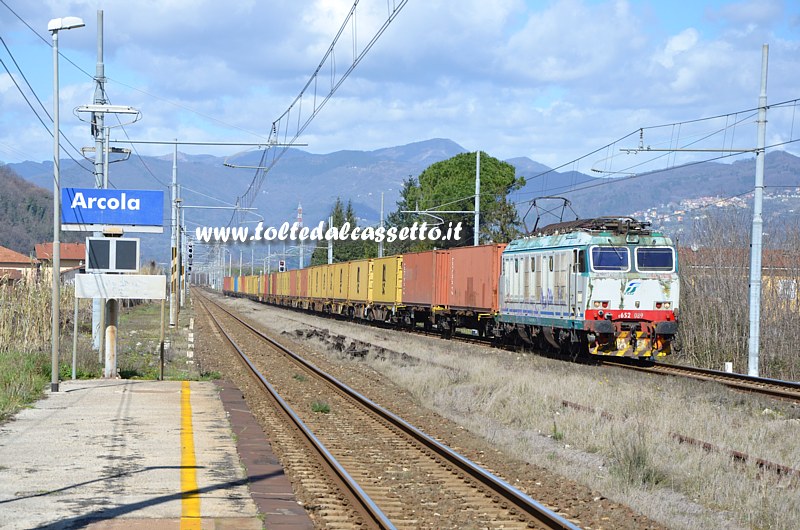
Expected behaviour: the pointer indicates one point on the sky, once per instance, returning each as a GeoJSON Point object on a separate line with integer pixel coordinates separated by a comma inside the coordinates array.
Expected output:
{"type": "Point", "coordinates": [554, 81]}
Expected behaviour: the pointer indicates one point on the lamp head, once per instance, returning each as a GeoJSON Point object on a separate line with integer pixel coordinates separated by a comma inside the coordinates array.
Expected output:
{"type": "Point", "coordinates": [57, 24]}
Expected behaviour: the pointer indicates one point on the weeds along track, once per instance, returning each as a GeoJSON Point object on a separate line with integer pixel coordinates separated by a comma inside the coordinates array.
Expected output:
{"type": "Point", "coordinates": [775, 388]}
{"type": "Point", "coordinates": [382, 471]}
{"type": "Point", "coordinates": [785, 390]}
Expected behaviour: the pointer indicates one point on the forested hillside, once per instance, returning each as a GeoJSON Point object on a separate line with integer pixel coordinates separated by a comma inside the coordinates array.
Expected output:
{"type": "Point", "coordinates": [26, 213]}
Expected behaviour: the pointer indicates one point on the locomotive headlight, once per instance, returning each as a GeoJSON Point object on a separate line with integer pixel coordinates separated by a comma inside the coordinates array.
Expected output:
{"type": "Point", "coordinates": [596, 304]}
{"type": "Point", "coordinates": [667, 305]}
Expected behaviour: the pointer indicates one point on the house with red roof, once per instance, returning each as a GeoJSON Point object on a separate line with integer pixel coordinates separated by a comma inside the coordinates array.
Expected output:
{"type": "Point", "coordinates": [15, 266]}
{"type": "Point", "coordinates": [72, 254]}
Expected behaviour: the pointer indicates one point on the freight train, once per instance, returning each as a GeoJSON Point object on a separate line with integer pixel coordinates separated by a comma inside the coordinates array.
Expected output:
{"type": "Point", "coordinates": [603, 286]}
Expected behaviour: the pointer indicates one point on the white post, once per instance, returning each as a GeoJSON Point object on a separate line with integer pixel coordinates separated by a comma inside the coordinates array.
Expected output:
{"type": "Point", "coordinates": [330, 242]}
{"type": "Point", "coordinates": [380, 244]}
{"type": "Point", "coordinates": [75, 339]}
{"type": "Point", "coordinates": [54, 26]}
{"type": "Point", "coordinates": [755, 247]}
{"type": "Point", "coordinates": [56, 224]}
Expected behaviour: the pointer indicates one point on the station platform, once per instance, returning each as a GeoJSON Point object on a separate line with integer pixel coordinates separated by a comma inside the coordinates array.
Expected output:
{"type": "Point", "coordinates": [108, 454]}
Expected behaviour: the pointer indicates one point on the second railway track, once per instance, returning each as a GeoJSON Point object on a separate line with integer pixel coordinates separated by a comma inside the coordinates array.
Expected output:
{"type": "Point", "coordinates": [412, 480]}
{"type": "Point", "coordinates": [786, 390]}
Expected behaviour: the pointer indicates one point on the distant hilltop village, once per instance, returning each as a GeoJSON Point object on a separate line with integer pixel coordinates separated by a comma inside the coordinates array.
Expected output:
{"type": "Point", "coordinates": [786, 201]}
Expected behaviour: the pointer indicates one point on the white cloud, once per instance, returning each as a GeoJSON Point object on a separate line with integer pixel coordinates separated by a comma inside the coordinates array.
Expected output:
{"type": "Point", "coordinates": [549, 80]}
{"type": "Point", "coordinates": [679, 44]}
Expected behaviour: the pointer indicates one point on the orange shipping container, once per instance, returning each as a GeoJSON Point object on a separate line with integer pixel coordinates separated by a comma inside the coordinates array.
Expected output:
{"type": "Point", "coordinates": [302, 282]}
{"type": "Point", "coordinates": [426, 277]}
{"type": "Point", "coordinates": [474, 277]}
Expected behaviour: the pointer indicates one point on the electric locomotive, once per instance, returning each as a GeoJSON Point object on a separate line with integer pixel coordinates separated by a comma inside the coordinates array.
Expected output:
{"type": "Point", "coordinates": [604, 286]}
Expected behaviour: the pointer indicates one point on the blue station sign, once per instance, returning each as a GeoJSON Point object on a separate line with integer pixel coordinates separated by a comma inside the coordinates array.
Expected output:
{"type": "Point", "coordinates": [90, 208]}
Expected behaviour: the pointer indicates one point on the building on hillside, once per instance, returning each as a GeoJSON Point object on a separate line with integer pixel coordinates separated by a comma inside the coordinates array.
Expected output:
{"type": "Point", "coordinates": [15, 266]}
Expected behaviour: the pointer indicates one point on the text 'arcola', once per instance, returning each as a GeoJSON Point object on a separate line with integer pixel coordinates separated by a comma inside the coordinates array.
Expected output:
{"type": "Point", "coordinates": [106, 203]}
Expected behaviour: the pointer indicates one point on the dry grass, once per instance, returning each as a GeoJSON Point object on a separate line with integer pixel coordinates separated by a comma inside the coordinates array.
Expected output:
{"type": "Point", "coordinates": [632, 457]}
{"type": "Point", "coordinates": [25, 338]}
{"type": "Point", "coordinates": [25, 314]}
{"type": "Point", "coordinates": [25, 342]}
{"type": "Point", "coordinates": [714, 318]}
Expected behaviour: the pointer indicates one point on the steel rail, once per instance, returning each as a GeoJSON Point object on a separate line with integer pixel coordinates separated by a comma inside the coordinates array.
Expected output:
{"type": "Point", "coordinates": [368, 506]}
{"type": "Point", "coordinates": [787, 390]}
{"type": "Point", "coordinates": [514, 496]}
{"type": "Point", "coordinates": [776, 388]}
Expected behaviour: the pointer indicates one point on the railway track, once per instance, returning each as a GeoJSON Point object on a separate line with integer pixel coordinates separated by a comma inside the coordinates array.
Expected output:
{"type": "Point", "coordinates": [786, 390]}
{"type": "Point", "coordinates": [775, 388]}
{"type": "Point", "coordinates": [384, 472]}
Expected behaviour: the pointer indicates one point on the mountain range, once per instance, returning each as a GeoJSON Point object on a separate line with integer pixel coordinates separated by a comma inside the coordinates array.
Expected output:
{"type": "Point", "coordinates": [316, 180]}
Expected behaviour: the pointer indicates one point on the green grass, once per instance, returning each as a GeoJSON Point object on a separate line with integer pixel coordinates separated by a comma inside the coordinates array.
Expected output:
{"type": "Point", "coordinates": [320, 406]}
{"type": "Point", "coordinates": [23, 377]}
{"type": "Point", "coordinates": [632, 460]}
{"type": "Point", "coordinates": [555, 433]}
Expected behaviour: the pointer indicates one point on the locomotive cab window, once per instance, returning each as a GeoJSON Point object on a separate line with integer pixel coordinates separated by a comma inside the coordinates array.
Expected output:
{"type": "Point", "coordinates": [656, 259]}
{"type": "Point", "coordinates": [610, 259]}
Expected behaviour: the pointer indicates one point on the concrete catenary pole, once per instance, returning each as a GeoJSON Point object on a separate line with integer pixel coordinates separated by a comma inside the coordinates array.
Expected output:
{"type": "Point", "coordinates": [476, 238]}
{"type": "Point", "coordinates": [300, 226]}
{"type": "Point", "coordinates": [330, 242]}
{"type": "Point", "coordinates": [380, 243]}
{"type": "Point", "coordinates": [755, 247]}
{"type": "Point", "coordinates": [173, 301]}
{"type": "Point", "coordinates": [98, 130]}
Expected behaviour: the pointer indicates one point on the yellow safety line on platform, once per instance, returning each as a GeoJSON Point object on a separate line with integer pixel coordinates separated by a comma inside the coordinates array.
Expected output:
{"type": "Point", "coordinates": [190, 497]}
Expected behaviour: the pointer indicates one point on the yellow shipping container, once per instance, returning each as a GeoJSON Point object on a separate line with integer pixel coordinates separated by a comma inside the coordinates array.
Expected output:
{"type": "Point", "coordinates": [251, 285]}
{"type": "Point", "coordinates": [360, 280]}
{"type": "Point", "coordinates": [282, 287]}
{"type": "Point", "coordinates": [340, 285]}
{"type": "Point", "coordinates": [387, 280]}
{"type": "Point", "coordinates": [316, 277]}
{"type": "Point", "coordinates": [328, 283]}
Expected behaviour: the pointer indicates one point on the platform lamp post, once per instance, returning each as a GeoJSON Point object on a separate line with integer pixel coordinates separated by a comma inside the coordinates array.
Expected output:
{"type": "Point", "coordinates": [54, 26]}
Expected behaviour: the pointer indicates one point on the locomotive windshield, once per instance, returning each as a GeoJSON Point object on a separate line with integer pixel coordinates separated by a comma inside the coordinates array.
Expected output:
{"type": "Point", "coordinates": [610, 259]}
{"type": "Point", "coordinates": [655, 259]}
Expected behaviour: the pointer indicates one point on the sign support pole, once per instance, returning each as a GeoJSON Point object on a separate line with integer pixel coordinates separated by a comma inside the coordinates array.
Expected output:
{"type": "Point", "coordinates": [161, 347]}
{"type": "Point", "coordinates": [75, 340]}
{"type": "Point", "coordinates": [112, 323]}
